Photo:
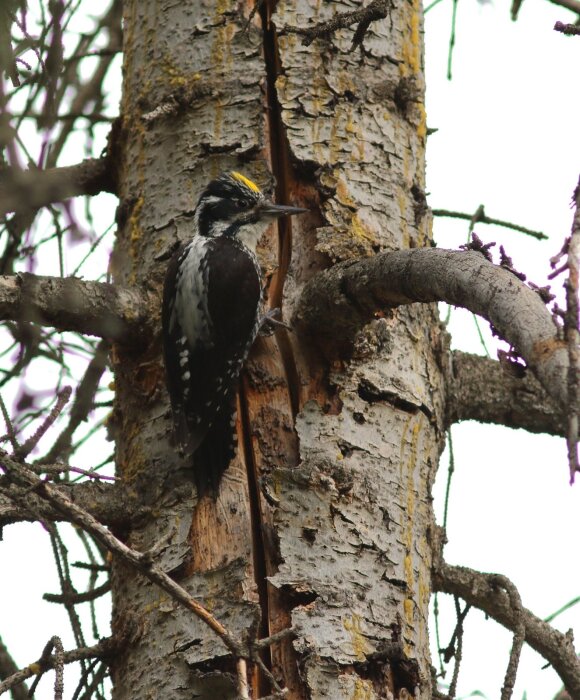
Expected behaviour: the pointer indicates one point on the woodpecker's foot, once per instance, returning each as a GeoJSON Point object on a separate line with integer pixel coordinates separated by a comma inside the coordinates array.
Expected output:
{"type": "Point", "coordinates": [270, 321]}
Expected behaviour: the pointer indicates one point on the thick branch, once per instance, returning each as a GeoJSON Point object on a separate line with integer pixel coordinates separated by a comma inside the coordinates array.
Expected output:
{"type": "Point", "coordinates": [478, 590]}
{"type": "Point", "coordinates": [339, 301]}
{"type": "Point", "coordinates": [72, 304]}
{"type": "Point", "coordinates": [30, 189]}
{"type": "Point", "coordinates": [572, 5]}
{"type": "Point", "coordinates": [111, 504]}
{"type": "Point", "coordinates": [486, 391]}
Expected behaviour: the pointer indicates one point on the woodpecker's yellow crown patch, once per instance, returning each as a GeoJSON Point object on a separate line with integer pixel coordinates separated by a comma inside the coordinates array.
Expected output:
{"type": "Point", "coordinates": [246, 181]}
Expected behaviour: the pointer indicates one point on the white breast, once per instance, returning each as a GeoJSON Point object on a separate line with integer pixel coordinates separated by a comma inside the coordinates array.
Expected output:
{"type": "Point", "coordinates": [190, 308]}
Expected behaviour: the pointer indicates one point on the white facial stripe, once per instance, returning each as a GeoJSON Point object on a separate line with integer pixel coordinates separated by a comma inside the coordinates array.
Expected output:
{"type": "Point", "coordinates": [250, 234]}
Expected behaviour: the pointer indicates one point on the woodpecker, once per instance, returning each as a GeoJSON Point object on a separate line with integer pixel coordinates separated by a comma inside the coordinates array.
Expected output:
{"type": "Point", "coordinates": [211, 316]}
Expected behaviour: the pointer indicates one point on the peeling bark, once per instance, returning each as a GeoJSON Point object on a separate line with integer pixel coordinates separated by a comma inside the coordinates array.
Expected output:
{"type": "Point", "coordinates": [352, 519]}
{"type": "Point", "coordinates": [207, 546]}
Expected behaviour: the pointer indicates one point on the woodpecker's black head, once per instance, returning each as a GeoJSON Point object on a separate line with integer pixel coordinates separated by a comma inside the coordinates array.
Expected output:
{"type": "Point", "coordinates": [234, 205]}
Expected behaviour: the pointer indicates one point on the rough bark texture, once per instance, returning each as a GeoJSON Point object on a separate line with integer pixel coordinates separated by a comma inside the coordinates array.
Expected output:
{"type": "Point", "coordinates": [353, 520]}
{"type": "Point", "coordinates": [337, 302]}
{"type": "Point", "coordinates": [111, 504]}
{"type": "Point", "coordinates": [207, 546]}
{"type": "Point", "coordinates": [330, 496]}
{"type": "Point", "coordinates": [72, 304]}
{"type": "Point", "coordinates": [490, 392]}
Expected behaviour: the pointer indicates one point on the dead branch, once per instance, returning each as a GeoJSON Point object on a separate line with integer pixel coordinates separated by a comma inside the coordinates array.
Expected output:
{"type": "Point", "coordinates": [336, 303]}
{"type": "Point", "coordinates": [489, 392]}
{"type": "Point", "coordinates": [143, 562]}
{"type": "Point", "coordinates": [481, 217]}
{"type": "Point", "coordinates": [483, 592]}
{"type": "Point", "coordinates": [572, 335]}
{"type": "Point", "coordinates": [568, 29]}
{"type": "Point", "coordinates": [69, 303]}
{"type": "Point", "coordinates": [23, 190]}
{"type": "Point", "coordinates": [377, 9]}
{"type": "Point", "coordinates": [140, 560]}
{"type": "Point", "coordinates": [8, 668]}
{"type": "Point", "coordinates": [112, 504]}
{"type": "Point", "coordinates": [572, 5]}
{"type": "Point", "coordinates": [82, 405]}
{"type": "Point", "coordinates": [101, 650]}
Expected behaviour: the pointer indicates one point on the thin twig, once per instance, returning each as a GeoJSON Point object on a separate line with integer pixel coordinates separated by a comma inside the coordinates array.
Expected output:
{"type": "Point", "coordinates": [572, 336]}
{"type": "Point", "coordinates": [450, 471]}
{"type": "Point", "coordinates": [102, 650]}
{"type": "Point", "coordinates": [569, 604]}
{"type": "Point", "coordinates": [484, 219]}
{"type": "Point", "coordinates": [9, 426]}
{"type": "Point", "coordinates": [61, 401]}
{"type": "Point", "coordinates": [242, 672]}
{"type": "Point", "coordinates": [74, 598]}
{"type": "Point", "coordinates": [83, 402]}
{"type": "Point", "coordinates": [140, 561]}
{"type": "Point", "coordinates": [57, 663]}
{"type": "Point", "coordinates": [457, 647]}
{"type": "Point", "coordinates": [519, 633]}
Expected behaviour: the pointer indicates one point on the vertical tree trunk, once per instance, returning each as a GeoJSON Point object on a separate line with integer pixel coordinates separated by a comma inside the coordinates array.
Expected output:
{"type": "Point", "coordinates": [323, 519]}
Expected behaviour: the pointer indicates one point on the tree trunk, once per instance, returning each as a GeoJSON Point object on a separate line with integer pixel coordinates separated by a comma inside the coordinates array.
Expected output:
{"type": "Point", "coordinates": [323, 520]}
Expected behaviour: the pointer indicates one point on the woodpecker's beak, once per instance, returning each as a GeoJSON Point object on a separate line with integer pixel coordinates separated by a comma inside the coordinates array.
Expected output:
{"type": "Point", "coordinates": [273, 211]}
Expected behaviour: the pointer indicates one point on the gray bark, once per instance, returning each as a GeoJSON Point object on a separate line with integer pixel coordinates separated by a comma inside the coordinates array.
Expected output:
{"type": "Point", "coordinates": [488, 391]}
{"type": "Point", "coordinates": [205, 547]}
{"type": "Point", "coordinates": [22, 190]}
{"type": "Point", "coordinates": [340, 526]}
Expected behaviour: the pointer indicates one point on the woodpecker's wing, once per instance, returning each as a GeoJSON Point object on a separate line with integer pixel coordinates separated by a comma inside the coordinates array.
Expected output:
{"type": "Point", "coordinates": [210, 319]}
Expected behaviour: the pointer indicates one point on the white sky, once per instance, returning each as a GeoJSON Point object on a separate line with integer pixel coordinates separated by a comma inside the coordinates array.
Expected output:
{"type": "Point", "coordinates": [507, 139]}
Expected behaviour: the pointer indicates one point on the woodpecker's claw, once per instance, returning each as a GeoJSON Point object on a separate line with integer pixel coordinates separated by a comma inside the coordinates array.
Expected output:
{"type": "Point", "coordinates": [270, 321]}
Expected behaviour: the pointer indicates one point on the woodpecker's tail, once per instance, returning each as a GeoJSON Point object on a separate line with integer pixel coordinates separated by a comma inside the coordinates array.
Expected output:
{"type": "Point", "coordinates": [218, 448]}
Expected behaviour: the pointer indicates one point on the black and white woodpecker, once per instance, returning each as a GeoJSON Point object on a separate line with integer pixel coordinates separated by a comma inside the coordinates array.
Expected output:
{"type": "Point", "coordinates": [211, 316]}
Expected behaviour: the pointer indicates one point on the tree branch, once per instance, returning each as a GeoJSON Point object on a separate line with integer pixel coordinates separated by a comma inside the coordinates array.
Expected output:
{"type": "Point", "coordinates": [482, 592]}
{"type": "Point", "coordinates": [8, 668]}
{"type": "Point", "coordinates": [336, 303]}
{"type": "Point", "coordinates": [30, 189]}
{"type": "Point", "coordinates": [142, 561]}
{"type": "Point", "coordinates": [375, 10]}
{"type": "Point", "coordinates": [82, 405]}
{"type": "Point", "coordinates": [572, 5]}
{"type": "Point", "coordinates": [101, 650]}
{"type": "Point", "coordinates": [481, 217]}
{"type": "Point", "coordinates": [72, 304]}
{"type": "Point", "coordinates": [111, 504]}
{"type": "Point", "coordinates": [486, 391]}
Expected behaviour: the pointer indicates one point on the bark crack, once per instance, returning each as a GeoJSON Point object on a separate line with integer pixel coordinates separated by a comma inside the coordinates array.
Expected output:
{"type": "Point", "coordinates": [282, 169]}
